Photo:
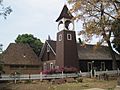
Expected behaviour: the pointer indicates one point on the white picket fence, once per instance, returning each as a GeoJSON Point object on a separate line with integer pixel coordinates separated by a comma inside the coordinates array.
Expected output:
{"type": "Point", "coordinates": [37, 76]}
{"type": "Point", "coordinates": [109, 72]}
{"type": "Point", "coordinates": [52, 76]}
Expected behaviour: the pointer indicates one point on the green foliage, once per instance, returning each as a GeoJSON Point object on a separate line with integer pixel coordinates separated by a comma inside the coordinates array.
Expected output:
{"type": "Point", "coordinates": [34, 42]}
{"type": "Point", "coordinates": [80, 79]}
{"type": "Point", "coordinates": [97, 16]}
{"type": "Point", "coordinates": [28, 81]}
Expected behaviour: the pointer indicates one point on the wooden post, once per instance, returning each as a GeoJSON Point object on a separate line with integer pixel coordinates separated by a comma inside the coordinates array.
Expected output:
{"type": "Point", "coordinates": [62, 74]}
{"type": "Point", "coordinates": [29, 77]}
{"type": "Point", "coordinates": [15, 78]}
{"type": "Point", "coordinates": [91, 74]}
{"type": "Point", "coordinates": [94, 73]}
{"type": "Point", "coordinates": [106, 69]}
{"type": "Point", "coordinates": [80, 73]}
{"type": "Point", "coordinates": [40, 76]}
{"type": "Point", "coordinates": [118, 71]}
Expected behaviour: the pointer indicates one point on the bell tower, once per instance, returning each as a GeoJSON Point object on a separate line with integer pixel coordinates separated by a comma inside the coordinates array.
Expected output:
{"type": "Point", "coordinates": [66, 46]}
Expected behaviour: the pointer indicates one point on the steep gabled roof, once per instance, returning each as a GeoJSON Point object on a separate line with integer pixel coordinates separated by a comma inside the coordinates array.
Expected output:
{"type": "Point", "coordinates": [20, 54]}
{"type": "Point", "coordinates": [51, 44]}
{"type": "Point", "coordinates": [65, 14]}
{"type": "Point", "coordinates": [88, 53]}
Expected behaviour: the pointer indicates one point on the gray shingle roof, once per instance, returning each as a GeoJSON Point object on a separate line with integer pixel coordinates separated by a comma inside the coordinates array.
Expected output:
{"type": "Point", "coordinates": [88, 53]}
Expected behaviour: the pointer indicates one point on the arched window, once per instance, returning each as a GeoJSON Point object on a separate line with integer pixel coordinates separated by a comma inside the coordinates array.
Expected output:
{"type": "Point", "coordinates": [60, 37]}
{"type": "Point", "coordinates": [69, 37]}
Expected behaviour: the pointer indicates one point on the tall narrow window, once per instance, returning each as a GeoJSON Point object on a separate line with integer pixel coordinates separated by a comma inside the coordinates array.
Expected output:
{"type": "Point", "coordinates": [89, 65]}
{"type": "Point", "coordinates": [102, 66]}
{"type": "Point", "coordinates": [51, 66]}
{"type": "Point", "coordinates": [48, 48]}
{"type": "Point", "coordinates": [60, 37]}
{"type": "Point", "coordinates": [44, 66]}
{"type": "Point", "coordinates": [69, 37]}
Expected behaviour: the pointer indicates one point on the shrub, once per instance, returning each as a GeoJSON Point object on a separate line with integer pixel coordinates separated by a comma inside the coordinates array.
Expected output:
{"type": "Point", "coordinates": [28, 81]}
{"type": "Point", "coordinates": [51, 71]}
{"type": "Point", "coordinates": [59, 81]}
{"type": "Point", "coordinates": [79, 80]}
{"type": "Point", "coordinates": [70, 80]}
{"type": "Point", "coordinates": [59, 70]}
{"type": "Point", "coordinates": [70, 70]}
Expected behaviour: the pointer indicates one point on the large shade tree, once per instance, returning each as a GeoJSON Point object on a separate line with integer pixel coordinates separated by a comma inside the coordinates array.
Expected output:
{"type": "Point", "coordinates": [116, 41]}
{"type": "Point", "coordinates": [4, 11]}
{"type": "Point", "coordinates": [34, 42]}
{"type": "Point", "coordinates": [98, 17]}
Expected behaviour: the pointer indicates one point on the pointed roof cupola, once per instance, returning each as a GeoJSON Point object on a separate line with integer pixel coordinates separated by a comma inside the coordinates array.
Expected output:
{"type": "Point", "coordinates": [65, 14]}
{"type": "Point", "coordinates": [65, 20]}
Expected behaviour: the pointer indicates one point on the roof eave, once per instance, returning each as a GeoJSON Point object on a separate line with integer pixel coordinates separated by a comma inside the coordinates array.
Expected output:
{"type": "Point", "coordinates": [65, 13]}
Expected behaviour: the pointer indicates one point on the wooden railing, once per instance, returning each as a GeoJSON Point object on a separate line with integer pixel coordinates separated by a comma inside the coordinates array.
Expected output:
{"type": "Point", "coordinates": [41, 76]}
{"type": "Point", "coordinates": [37, 76]}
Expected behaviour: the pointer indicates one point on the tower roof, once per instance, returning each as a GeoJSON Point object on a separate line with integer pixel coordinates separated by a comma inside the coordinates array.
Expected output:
{"type": "Point", "coordinates": [65, 14]}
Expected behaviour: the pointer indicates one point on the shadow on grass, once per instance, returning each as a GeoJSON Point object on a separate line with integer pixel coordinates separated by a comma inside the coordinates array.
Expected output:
{"type": "Point", "coordinates": [4, 86]}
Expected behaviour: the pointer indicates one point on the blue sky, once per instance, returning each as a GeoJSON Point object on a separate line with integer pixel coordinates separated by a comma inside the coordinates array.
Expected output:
{"type": "Point", "coordinates": [35, 17]}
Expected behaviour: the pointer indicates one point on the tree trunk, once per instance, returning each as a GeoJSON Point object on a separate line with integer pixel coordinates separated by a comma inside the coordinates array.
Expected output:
{"type": "Point", "coordinates": [114, 62]}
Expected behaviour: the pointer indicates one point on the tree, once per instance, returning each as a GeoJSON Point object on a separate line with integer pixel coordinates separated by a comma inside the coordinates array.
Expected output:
{"type": "Point", "coordinates": [4, 11]}
{"type": "Point", "coordinates": [116, 40]}
{"type": "Point", "coordinates": [34, 42]}
{"type": "Point", "coordinates": [98, 17]}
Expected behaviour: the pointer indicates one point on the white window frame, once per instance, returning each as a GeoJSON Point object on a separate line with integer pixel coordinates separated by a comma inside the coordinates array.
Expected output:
{"type": "Point", "coordinates": [51, 65]}
{"type": "Point", "coordinates": [69, 37]}
{"type": "Point", "coordinates": [45, 66]}
{"type": "Point", "coordinates": [48, 48]}
{"type": "Point", "coordinates": [60, 37]}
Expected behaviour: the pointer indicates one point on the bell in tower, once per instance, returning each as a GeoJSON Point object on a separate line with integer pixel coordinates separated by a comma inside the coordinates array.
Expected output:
{"type": "Point", "coordinates": [65, 20]}
{"type": "Point", "coordinates": [66, 46]}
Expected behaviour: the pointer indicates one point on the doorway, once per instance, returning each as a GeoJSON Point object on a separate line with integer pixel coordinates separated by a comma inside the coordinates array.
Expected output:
{"type": "Point", "coordinates": [103, 66]}
{"type": "Point", "coordinates": [89, 65]}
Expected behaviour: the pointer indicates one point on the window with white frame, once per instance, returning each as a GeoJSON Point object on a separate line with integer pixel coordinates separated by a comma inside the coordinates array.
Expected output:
{"type": "Point", "coordinates": [44, 66]}
{"type": "Point", "coordinates": [48, 48]}
{"type": "Point", "coordinates": [60, 37]}
{"type": "Point", "coordinates": [69, 37]}
{"type": "Point", "coordinates": [51, 65]}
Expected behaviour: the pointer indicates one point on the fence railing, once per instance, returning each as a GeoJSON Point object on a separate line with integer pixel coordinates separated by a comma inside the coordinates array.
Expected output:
{"type": "Point", "coordinates": [108, 72]}
{"type": "Point", "coordinates": [41, 76]}
{"type": "Point", "coordinates": [37, 76]}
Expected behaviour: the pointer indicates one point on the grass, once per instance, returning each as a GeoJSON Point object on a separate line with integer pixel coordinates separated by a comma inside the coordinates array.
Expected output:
{"type": "Point", "coordinates": [87, 83]}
